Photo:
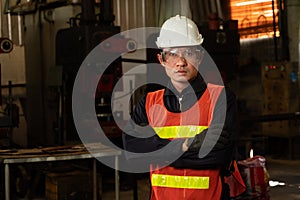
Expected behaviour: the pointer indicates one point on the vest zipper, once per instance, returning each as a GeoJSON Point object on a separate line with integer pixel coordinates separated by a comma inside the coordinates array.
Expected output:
{"type": "Point", "coordinates": [179, 101]}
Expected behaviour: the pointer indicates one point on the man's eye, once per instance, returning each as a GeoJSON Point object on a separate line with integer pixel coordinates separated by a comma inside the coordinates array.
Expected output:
{"type": "Point", "coordinates": [189, 54]}
{"type": "Point", "coordinates": [172, 54]}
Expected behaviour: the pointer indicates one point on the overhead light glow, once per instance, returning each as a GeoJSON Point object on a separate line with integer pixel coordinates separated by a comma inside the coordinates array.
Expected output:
{"type": "Point", "coordinates": [246, 3]}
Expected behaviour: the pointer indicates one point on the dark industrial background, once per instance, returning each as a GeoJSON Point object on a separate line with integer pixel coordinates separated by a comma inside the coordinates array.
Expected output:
{"type": "Point", "coordinates": [44, 42]}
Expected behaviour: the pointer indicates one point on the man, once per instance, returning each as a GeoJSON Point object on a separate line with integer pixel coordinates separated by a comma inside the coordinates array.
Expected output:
{"type": "Point", "coordinates": [197, 118]}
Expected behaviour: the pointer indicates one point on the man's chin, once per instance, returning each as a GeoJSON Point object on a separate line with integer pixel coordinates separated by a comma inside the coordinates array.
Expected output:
{"type": "Point", "coordinates": [182, 80]}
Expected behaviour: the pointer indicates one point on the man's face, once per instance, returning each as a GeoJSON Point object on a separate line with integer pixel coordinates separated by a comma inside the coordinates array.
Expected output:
{"type": "Point", "coordinates": [181, 63]}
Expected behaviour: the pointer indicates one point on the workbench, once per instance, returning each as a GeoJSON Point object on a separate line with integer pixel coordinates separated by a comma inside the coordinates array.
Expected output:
{"type": "Point", "coordinates": [61, 153]}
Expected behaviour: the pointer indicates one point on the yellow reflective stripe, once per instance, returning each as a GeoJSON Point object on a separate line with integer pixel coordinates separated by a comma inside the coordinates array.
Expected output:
{"type": "Point", "coordinates": [178, 131]}
{"type": "Point", "coordinates": [188, 182]}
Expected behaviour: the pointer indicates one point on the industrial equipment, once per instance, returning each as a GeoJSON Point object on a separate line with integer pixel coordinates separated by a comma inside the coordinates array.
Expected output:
{"type": "Point", "coordinates": [222, 42]}
{"type": "Point", "coordinates": [87, 30]}
{"type": "Point", "coordinates": [280, 102]}
{"type": "Point", "coordinates": [10, 116]}
{"type": "Point", "coordinates": [6, 45]}
{"type": "Point", "coordinates": [281, 96]}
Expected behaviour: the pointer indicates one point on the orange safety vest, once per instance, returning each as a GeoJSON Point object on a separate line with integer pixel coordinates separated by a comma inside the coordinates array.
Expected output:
{"type": "Point", "coordinates": [172, 183]}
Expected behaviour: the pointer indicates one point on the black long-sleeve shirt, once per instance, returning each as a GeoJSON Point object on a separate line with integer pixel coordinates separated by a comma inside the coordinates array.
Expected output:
{"type": "Point", "coordinates": [220, 155]}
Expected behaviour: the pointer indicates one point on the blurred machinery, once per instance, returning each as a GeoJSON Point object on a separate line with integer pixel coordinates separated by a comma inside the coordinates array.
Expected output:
{"type": "Point", "coordinates": [73, 44]}
{"type": "Point", "coordinates": [280, 104]}
{"type": "Point", "coordinates": [10, 116]}
{"type": "Point", "coordinates": [6, 45]}
{"type": "Point", "coordinates": [222, 42]}
{"type": "Point", "coordinates": [281, 96]}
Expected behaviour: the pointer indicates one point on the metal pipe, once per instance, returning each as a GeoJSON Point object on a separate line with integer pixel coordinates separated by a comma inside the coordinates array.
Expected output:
{"type": "Point", "coordinates": [135, 12]}
{"type": "Point", "coordinates": [9, 26]}
{"type": "Point", "coordinates": [143, 13]}
{"type": "Point", "coordinates": [219, 9]}
{"type": "Point", "coordinates": [127, 14]}
{"type": "Point", "coordinates": [185, 8]}
{"type": "Point", "coordinates": [213, 6]}
{"type": "Point", "coordinates": [118, 13]}
{"type": "Point", "coordinates": [7, 184]}
{"type": "Point", "coordinates": [20, 30]}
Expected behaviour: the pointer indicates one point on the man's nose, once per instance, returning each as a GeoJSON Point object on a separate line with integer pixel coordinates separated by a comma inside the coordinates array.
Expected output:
{"type": "Point", "coordinates": [181, 61]}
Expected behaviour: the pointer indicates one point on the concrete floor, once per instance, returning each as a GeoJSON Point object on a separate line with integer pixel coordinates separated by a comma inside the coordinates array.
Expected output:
{"type": "Point", "coordinates": [282, 171]}
{"type": "Point", "coordinates": [288, 172]}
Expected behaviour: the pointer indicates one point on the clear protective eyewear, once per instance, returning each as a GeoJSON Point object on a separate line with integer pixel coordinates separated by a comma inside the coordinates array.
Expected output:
{"type": "Point", "coordinates": [172, 56]}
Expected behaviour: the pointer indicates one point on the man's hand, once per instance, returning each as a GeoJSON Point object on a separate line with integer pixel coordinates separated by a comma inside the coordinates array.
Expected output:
{"type": "Point", "coordinates": [194, 144]}
{"type": "Point", "coordinates": [185, 145]}
{"type": "Point", "coordinates": [217, 137]}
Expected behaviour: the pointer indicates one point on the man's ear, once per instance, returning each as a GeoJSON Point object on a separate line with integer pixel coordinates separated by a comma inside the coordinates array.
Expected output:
{"type": "Point", "coordinates": [160, 59]}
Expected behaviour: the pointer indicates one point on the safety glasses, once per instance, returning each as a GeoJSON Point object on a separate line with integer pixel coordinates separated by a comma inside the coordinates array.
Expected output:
{"type": "Point", "coordinates": [172, 56]}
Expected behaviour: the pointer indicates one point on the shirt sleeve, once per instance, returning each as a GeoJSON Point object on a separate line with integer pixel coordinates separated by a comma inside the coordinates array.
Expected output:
{"type": "Point", "coordinates": [139, 137]}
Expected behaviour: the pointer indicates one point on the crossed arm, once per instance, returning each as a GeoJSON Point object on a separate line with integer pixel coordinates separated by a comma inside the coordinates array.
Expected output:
{"type": "Point", "coordinates": [221, 139]}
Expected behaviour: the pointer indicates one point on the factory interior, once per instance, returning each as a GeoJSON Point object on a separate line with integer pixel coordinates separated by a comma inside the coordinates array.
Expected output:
{"type": "Point", "coordinates": [48, 66]}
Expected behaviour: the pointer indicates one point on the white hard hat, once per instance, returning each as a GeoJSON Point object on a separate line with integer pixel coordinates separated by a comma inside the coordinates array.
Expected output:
{"type": "Point", "coordinates": [179, 31]}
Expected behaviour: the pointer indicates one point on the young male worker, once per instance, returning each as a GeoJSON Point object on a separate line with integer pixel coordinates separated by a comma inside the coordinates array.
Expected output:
{"type": "Point", "coordinates": [188, 112]}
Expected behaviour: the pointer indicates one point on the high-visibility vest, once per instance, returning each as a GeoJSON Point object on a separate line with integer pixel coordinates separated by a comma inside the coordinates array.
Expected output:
{"type": "Point", "coordinates": [172, 183]}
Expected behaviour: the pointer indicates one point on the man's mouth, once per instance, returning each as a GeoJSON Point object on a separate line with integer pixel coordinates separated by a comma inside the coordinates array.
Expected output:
{"type": "Point", "coordinates": [180, 71]}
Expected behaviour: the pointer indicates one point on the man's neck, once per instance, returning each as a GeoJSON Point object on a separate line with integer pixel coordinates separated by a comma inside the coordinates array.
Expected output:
{"type": "Point", "coordinates": [180, 86]}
